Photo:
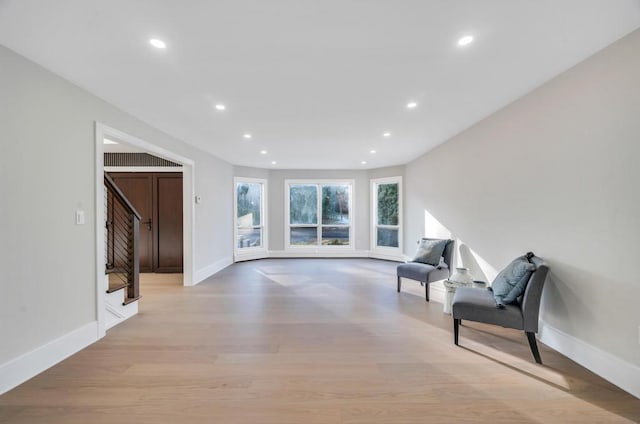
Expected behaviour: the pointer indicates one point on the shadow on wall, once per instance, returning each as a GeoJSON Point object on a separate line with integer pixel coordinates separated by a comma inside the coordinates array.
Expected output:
{"type": "Point", "coordinates": [565, 291]}
{"type": "Point", "coordinates": [556, 295]}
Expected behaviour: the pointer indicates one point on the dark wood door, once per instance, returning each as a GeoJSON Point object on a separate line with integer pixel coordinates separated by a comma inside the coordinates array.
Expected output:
{"type": "Point", "coordinates": [157, 196]}
{"type": "Point", "coordinates": [168, 219]}
{"type": "Point", "coordinates": [137, 187]}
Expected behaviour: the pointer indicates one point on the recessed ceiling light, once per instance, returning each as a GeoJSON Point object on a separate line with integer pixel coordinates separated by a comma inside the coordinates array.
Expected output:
{"type": "Point", "coordinates": [273, 162]}
{"type": "Point", "coordinates": [373, 152]}
{"type": "Point", "coordinates": [220, 106]}
{"type": "Point", "coordinates": [467, 39]}
{"type": "Point", "coordinates": [263, 152]}
{"type": "Point", "coordinates": [247, 136]}
{"type": "Point", "coordinates": [387, 134]}
{"type": "Point", "coordinates": [364, 162]}
{"type": "Point", "coordinates": [107, 141]}
{"type": "Point", "coordinates": [412, 105]}
{"type": "Point", "coordinates": [158, 44]}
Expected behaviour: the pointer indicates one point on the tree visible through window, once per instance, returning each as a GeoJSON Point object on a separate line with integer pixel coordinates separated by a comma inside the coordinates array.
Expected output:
{"type": "Point", "coordinates": [319, 214]}
{"type": "Point", "coordinates": [248, 214]}
{"type": "Point", "coordinates": [387, 215]}
{"type": "Point", "coordinates": [335, 215]}
{"type": "Point", "coordinates": [386, 212]}
{"type": "Point", "coordinates": [303, 214]}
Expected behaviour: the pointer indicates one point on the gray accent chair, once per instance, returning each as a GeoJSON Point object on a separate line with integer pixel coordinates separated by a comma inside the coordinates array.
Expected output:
{"type": "Point", "coordinates": [425, 273]}
{"type": "Point", "coordinates": [479, 305]}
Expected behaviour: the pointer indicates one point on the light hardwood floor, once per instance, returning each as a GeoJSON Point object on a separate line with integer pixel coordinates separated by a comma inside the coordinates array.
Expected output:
{"type": "Point", "coordinates": [309, 341]}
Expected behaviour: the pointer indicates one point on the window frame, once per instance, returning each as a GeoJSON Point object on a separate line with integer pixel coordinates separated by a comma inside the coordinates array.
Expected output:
{"type": "Point", "coordinates": [257, 252]}
{"type": "Point", "coordinates": [385, 252]}
{"type": "Point", "coordinates": [319, 247]}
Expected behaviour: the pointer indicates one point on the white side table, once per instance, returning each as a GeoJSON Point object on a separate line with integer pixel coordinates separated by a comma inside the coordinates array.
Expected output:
{"type": "Point", "coordinates": [451, 287]}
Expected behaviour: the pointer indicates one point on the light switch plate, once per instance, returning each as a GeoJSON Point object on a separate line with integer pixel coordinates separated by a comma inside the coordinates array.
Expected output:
{"type": "Point", "coordinates": [79, 217]}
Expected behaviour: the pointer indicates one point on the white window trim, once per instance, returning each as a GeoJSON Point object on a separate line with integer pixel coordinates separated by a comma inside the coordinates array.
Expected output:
{"type": "Point", "coordinates": [385, 252]}
{"type": "Point", "coordinates": [319, 248]}
{"type": "Point", "coordinates": [248, 253]}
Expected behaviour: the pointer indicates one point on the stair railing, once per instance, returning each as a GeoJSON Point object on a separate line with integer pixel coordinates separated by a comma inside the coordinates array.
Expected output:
{"type": "Point", "coordinates": [122, 232]}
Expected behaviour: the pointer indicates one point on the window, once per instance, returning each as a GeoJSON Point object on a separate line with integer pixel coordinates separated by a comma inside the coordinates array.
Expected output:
{"type": "Point", "coordinates": [319, 213]}
{"type": "Point", "coordinates": [386, 231]}
{"type": "Point", "coordinates": [249, 216]}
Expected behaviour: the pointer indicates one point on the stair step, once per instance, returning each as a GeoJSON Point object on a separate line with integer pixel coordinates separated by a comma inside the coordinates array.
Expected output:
{"type": "Point", "coordinates": [130, 300]}
{"type": "Point", "coordinates": [116, 287]}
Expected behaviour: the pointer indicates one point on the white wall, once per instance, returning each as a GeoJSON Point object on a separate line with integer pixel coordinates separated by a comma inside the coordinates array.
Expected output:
{"type": "Point", "coordinates": [214, 214]}
{"type": "Point", "coordinates": [390, 171]}
{"type": "Point", "coordinates": [47, 163]}
{"type": "Point", "coordinates": [555, 172]}
{"type": "Point", "coordinates": [248, 172]}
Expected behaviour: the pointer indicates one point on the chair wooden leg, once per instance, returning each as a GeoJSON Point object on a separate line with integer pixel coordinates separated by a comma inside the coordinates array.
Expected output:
{"type": "Point", "coordinates": [534, 346]}
{"type": "Point", "coordinates": [399, 284]}
{"type": "Point", "coordinates": [426, 291]}
{"type": "Point", "coordinates": [456, 325]}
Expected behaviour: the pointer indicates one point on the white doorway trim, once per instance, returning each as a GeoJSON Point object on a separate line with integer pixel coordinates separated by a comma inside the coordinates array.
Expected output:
{"type": "Point", "coordinates": [188, 211]}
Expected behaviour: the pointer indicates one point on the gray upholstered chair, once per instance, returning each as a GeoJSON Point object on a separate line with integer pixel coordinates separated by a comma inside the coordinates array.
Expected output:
{"type": "Point", "coordinates": [479, 305]}
{"type": "Point", "coordinates": [425, 273]}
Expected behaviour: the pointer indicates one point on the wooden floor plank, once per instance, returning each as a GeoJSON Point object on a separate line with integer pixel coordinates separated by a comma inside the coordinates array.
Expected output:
{"type": "Point", "coordinates": [309, 341]}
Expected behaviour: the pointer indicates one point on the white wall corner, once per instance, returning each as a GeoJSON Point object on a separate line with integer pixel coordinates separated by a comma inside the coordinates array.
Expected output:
{"type": "Point", "coordinates": [613, 369]}
{"type": "Point", "coordinates": [30, 364]}
{"type": "Point", "coordinates": [206, 272]}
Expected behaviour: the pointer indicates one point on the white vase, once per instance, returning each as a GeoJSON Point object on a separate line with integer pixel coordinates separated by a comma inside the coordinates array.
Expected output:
{"type": "Point", "coordinates": [461, 276]}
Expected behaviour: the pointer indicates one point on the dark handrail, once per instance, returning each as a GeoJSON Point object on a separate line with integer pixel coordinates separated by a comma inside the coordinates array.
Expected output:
{"type": "Point", "coordinates": [113, 187]}
{"type": "Point", "coordinates": [122, 237]}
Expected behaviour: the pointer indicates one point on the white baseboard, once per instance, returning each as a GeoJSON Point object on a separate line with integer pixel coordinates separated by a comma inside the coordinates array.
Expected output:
{"type": "Point", "coordinates": [613, 369]}
{"type": "Point", "coordinates": [206, 272]}
{"type": "Point", "coordinates": [320, 254]}
{"type": "Point", "coordinates": [437, 292]}
{"type": "Point", "coordinates": [117, 314]}
{"type": "Point", "coordinates": [386, 257]}
{"type": "Point", "coordinates": [30, 364]}
{"type": "Point", "coordinates": [251, 255]}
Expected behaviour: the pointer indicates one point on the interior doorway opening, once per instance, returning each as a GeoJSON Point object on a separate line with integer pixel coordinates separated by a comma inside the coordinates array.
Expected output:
{"type": "Point", "coordinates": [181, 258]}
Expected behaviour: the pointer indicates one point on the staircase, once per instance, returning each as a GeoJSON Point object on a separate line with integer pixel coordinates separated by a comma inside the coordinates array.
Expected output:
{"type": "Point", "coordinates": [121, 282]}
{"type": "Point", "coordinates": [117, 307]}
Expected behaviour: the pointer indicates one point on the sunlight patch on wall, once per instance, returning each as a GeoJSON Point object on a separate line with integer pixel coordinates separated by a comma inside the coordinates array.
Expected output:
{"type": "Point", "coordinates": [433, 228]}
{"type": "Point", "coordinates": [466, 257]}
{"type": "Point", "coordinates": [479, 268]}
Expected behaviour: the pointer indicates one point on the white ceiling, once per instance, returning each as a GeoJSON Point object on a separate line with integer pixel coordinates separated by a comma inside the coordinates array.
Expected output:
{"type": "Point", "coordinates": [316, 82]}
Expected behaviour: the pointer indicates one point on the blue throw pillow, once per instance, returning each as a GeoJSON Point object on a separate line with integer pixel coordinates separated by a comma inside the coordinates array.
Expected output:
{"type": "Point", "coordinates": [430, 251]}
{"type": "Point", "coordinates": [512, 281]}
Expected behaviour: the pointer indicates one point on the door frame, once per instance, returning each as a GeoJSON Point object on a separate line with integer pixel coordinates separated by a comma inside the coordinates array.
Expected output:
{"type": "Point", "coordinates": [188, 210]}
